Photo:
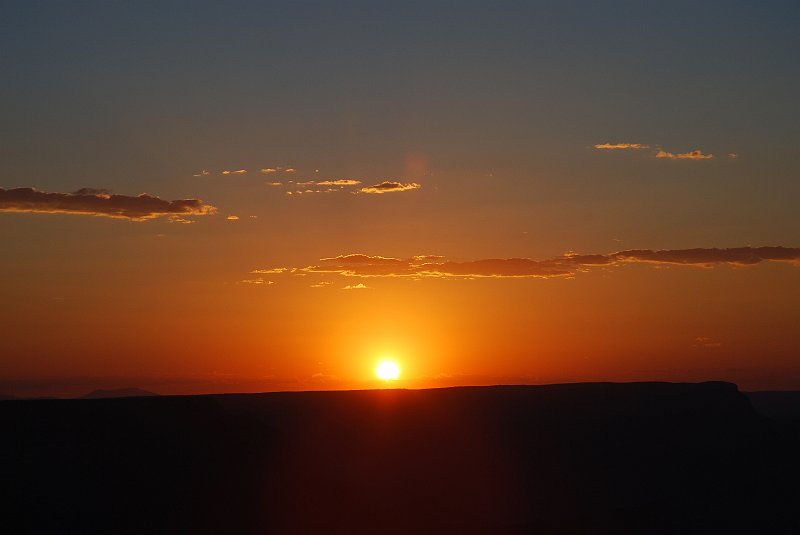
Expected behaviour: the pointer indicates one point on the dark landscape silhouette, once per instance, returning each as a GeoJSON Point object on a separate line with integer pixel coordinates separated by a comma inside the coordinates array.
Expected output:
{"type": "Point", "coordinates": [573, 458]}
{"type": "Point", "coordinates": [118, 393]}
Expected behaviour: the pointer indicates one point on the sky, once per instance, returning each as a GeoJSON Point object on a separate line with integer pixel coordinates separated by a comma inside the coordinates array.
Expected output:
{"type": "Point", "coordinates": [256, 196]}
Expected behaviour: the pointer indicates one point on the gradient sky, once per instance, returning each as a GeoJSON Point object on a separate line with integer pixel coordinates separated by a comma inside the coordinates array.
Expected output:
{"type": "Point", "coordinates": [659, 138]}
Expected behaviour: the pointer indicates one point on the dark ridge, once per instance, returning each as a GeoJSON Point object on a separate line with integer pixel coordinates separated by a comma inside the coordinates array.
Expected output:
{"type": "Point", "coordinates": [581, 458]}
{"type": "Point", "coordinates": [118, 393]}
{"type": "Point", "coordinates": [7, 397]}
{"type": "Point", "coordinates": [777, 405]}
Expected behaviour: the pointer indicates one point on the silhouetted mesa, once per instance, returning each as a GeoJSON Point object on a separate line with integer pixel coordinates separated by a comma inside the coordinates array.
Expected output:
{"type": "Point", "coordinates": [118, 393]}
{"type": "Point", "coordinates": [579, 458]}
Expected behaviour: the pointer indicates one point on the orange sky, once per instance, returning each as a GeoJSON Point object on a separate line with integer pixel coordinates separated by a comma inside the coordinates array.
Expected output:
{"type": "Point", "coordinates": [494, 195]}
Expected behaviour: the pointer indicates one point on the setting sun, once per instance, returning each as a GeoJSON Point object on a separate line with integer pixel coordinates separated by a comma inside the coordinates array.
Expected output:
{"type": "Point", "coordinates": [387, 370]}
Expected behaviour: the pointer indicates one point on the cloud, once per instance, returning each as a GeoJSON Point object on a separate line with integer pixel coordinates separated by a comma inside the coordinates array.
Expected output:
{"type": "Point", "coordinates": [270, 271]}
{"type": "Point", "coordinates": [362, 265]}
{"type": "Point", "coordinates": [274, 184]}
{"type": "Point", "coordinates": [741, 256]}
{"type": "Point", "coordinates": [389, 186]}
{"type": "Point", "coordinates": [732, 155]}
{"type": "Point", "coordinates": [343, 182]}
{"type": "Point", "coordinates": [620, 146]}
{"type": "Point", "coordinates": [177, 219]}
{"type": "Point", "coordinates": [278, 169]}
{"type": "Point", "coordinates": [566, 265]}
{"type": "Point", "coordinates": [359, 286]}
{"type": "Point", "coordinates": [204, 172]}
{"type": "Point", "coordinates": [660, 153]}
{"type": "Point", "coordinates": [691, 155]}
{"type": "Point", "coordinates": [235, 172]}
{"type": "Point", "coordinates": [100, 203]}
{"type": "Point", "coordinates": [321, 284]}
{"type": "Point", "coordinates": [258, 281]}
{"type": "Point", "coordinates": [92, 191]}
{"type": "Point", "coordinates": [232, 218]}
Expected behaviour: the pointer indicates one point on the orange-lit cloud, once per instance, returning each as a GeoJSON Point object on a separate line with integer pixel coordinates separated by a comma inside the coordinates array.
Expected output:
{"type": "Point", "coordinates": [389, 186]}
{"type": "Point", "coordinates": [274, 184]}
{"type": "Point", "coordinates": [659, 152]}
{"type": "Point", "coordinates": [177, 219]}
{"type": "Point", "coordinates": [691, 155]}
{"type": "Point", "coordinates": [620, 146]}
{"type": "Point", "coordinates": [359, 286]}
{"type": "Point", "coordinates": [278, 169]}
{"type": "Point", "coordinates": [569, 264]}
{"type": "Point", "coordinates": [235, 172]}
{"type": "Point", "coordinates": [204, 172]}
{"type": "Point", "coordinates": [232, 218]}
{"type": "Point", "coordinates": [258, 281]}
{"type": "Point", "coordinates": [271, 271]}
{"type": "Point", "coordinates": [99, 203]}
{"type": "Point", "coordinates": [343, 182]}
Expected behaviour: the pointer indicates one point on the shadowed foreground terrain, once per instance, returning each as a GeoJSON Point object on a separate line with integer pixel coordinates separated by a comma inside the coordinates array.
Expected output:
{"type": "Point", "coordinates": [582, 458]}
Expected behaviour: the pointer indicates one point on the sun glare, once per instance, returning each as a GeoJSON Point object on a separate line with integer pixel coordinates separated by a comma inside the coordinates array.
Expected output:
{"type": "Point", "coordinates": [387, 370]}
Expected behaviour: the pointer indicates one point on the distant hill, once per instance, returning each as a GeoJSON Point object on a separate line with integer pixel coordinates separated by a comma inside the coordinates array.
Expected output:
{"type": "Point", "coordinates": [119, 393]}
{"type": "Point", "coordinates": [599, 459]}
{"type": "Point", "coordinates": [781, 405]}
{"type": "Point", "coordinates": [7, 397]}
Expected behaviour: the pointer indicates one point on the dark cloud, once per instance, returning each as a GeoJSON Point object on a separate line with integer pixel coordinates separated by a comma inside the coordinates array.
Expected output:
{"type": "Point", "coordinates": [495, 267]}
{"type": "Point", "coordinates": [361, 265]}
{"type": "Point", "coordinates": [704, 257]}
{"type": "Point", "coordinates": [92, 191]}
{"type": "Point", "coordinates": [389, 186]}
{"type": "Point", "coordinates": [691, 155]}
{"type": "Point", "coordinates": [99, 203]}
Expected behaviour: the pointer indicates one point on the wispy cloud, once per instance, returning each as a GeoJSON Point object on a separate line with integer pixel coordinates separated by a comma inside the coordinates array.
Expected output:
{"type": "Point", "coordinates": [658, 152]}
{"type": "Point", "coordinates": [389, 186]}
{"type": "Point", "coordinates": [232, 218]}
{"type": "Point", "coordinates": [204, 172]}
{"type": "Point", "coordinates": [342, 182]}
{"type": "Point", "coordinates": [359, 286]}
{"type": "Point", "coordinates": [566, 265]}
{"type": "Point", "coordinates": [100, 203]}
{"type": "Point", "coordinates": [270, 271]}
{"type": "Point", "coordinates": [235, 172]}
{"type": "Point", "coordinates": [259, 281]}
{"type": "Point", "coordinates": [278, 169]}
{"type": "Point", "coordinates": [691, 155]}
{"type": "Point", "coordinates": [620, 146]}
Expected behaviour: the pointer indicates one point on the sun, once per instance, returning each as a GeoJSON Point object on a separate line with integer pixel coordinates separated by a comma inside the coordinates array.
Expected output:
{"type": "Point", "coordinates": [387, 370]}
